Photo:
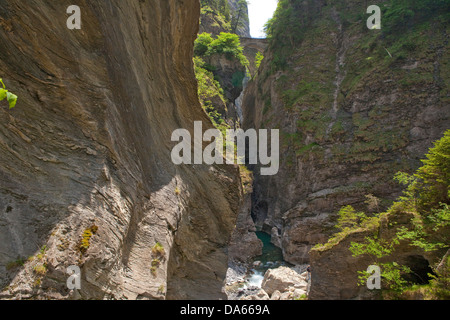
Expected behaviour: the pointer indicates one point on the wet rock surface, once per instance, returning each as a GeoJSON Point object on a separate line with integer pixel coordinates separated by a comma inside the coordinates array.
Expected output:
{"type": "Point", "coordinates": [282, 278]}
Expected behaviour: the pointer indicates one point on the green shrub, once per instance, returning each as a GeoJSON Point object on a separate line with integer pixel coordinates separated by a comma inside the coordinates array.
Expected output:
{"type": "Point", "coordinates": [434, 176]}
{"type": "Point", "coordinates": [40, 256]}
{"type": "Point", "coordinates": [86, 238]}
{"type": "Point", "coordinates": [40, 269]}
{"type": "Point", "coordinates": [15, 264]}
{"type": "Point", "coordinates": [158, 250]}
{"type": "Point", "coordinates": [208, 87]}
{"type": "Point", "coordinates": [209, 90]}
{"type": "Point", "coordinates": [156, 262]}
{"type": "Point", "coordinates": [202, 44]}
{"type": "Point", "coordinates": [227, 44]}
{"type": "Point", "coordinates": [12, 98]}
{"type": "Point", "coordinates": [258, 59]}
{"type": "Point", "coordinates": [399, 15]}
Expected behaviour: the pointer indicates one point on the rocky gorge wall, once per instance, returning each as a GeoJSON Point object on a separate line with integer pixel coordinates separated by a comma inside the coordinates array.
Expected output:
{"type": "Point", "coordinates": [353, 108]}
{"type": "Point", "coordinates": [86, 177]}
{"type": "Point", "coordinates": [224, 16]}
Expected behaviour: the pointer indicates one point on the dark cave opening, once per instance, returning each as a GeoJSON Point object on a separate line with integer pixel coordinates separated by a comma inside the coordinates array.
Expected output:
{"type": "Point", "coordinates": [420, 270]}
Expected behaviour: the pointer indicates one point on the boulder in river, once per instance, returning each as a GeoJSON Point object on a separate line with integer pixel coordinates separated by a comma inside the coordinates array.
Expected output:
{"type": "Point", "coordinates": [260, 295]}
{"type": "Point", "coordinates": [257, 264]}
{"type": "Point", "coordinates": [282, 279]}
{"type": "Point", "coordinates": [275, 295]}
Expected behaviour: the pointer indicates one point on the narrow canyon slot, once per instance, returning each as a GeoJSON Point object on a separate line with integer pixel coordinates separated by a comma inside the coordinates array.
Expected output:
{"type": "Point", "coordinates": [224, 150]}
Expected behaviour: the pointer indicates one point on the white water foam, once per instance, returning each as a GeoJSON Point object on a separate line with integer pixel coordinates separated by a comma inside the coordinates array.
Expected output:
{"type": "Point", "coordinates": [256, 279]}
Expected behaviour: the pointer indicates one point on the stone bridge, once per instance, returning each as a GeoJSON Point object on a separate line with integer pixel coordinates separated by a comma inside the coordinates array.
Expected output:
{"type": "Point", "coordinates": [254, 43]}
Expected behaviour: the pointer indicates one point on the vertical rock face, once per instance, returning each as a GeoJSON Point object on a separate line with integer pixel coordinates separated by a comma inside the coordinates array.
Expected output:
{"type": "Point", "coordinates": [240, 19]}
{"type": "Point", "coordinates": [86, 177]}
{"type": "Point", "coordinates": [230, 16]}
{"type": "Point", "coordinates": [224, 16]}
{"type": "Point", "coordinates": [349, 115]}
{"type": "Point", "coordinates": [229, 71]}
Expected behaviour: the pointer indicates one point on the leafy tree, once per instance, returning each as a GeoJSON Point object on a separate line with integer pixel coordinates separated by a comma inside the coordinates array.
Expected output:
{"type": "Point", "coordinates": [227, 44]}
{"type": "Point", "coordinates": [202, 43]}
{"type": "Point", "coordinates": [209, 89]}
{"type": "Point", "coordinates": [429, 187]}
{"type": "Point", "coordinates": [433, 177]}
{"type": "Point", "coordinates": [373, 246]}
{"type": "Point", "coordinates": [350, 220]}
{"type": "Point", "coordinates": [440, 282]}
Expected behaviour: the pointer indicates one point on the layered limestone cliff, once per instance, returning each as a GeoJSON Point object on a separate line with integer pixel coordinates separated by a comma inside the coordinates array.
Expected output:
{"type": "Point", "coordinates": [86, 177]}
{"type": "Point", "coordinates": [353, 106]}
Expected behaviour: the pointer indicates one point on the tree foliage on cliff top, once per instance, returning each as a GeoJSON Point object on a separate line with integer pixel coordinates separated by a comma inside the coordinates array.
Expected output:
{"type": "Point", "coordinates": [227, 44]}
